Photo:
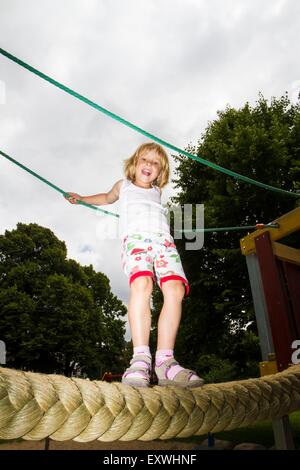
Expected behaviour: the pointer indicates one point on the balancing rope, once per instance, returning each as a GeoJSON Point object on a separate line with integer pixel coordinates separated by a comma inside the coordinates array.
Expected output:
{"type": "Point", "coordinates": [35, 406]}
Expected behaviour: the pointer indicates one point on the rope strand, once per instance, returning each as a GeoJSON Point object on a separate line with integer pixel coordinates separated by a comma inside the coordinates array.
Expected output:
{"type": "Point", "coordinates": [53, 186]}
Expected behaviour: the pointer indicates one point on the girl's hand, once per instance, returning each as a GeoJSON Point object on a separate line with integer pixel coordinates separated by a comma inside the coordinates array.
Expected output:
{"type": "Point", "coordinates": [73, 198]}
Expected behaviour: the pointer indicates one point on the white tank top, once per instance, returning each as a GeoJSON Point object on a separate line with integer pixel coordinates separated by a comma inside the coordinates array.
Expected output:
{"type": "Point", "coordinates": [141, 210]}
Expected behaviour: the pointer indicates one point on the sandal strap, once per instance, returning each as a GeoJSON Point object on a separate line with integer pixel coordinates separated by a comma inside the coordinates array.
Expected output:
{"type": "Point", "coordinates": [168, 364]}
{"type": "Point", "coordinates": [185, 373]}
{"type": "Point", "coordinates": [164, 367]}
{"type": "Point", "coordinates": [143, 372]}
{"type": "Point", "coordinates": [141, 358]}
{"type": "Point", "coordinates": [137, 369]}
{"type": "Point", "coordinates": [138, 373]}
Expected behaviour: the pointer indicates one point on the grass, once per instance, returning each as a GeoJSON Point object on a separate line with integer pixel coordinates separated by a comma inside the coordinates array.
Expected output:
{"type": "Point", "coordinates": [259, 433]}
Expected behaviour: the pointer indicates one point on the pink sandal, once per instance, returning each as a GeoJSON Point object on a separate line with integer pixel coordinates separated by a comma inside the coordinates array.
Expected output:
{"type": "Point", "coordinates": [183, 378]}
{"type": "Point", "coordinates": [138, 375]}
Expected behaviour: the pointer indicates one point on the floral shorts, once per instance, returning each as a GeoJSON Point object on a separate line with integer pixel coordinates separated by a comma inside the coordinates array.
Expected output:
{"type": "Point", "coordinates": [152, 255]}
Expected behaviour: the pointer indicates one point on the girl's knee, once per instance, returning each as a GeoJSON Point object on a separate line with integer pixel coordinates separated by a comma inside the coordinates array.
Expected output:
{"type": "Point", "coordinates": [174, 288]}
{"type": "Point", "coordinates": [142, 284]}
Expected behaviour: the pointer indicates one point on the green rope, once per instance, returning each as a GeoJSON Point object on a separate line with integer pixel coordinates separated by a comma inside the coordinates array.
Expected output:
{"type": "Point", "coordinates": [141, 131]}
{"type": "Point", "coordinates": [212, 229]}
{"type": "Point", "coordinates": [229, 229]}
{"type": "Point", "coordinates": [53, 185]}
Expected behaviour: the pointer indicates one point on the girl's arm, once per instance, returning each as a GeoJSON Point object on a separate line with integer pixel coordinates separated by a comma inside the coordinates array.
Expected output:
{"type": "Point", "coordinates": [100, 199]}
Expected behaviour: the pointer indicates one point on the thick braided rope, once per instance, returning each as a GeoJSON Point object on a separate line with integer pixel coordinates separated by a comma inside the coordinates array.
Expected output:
{"type": "Point", "coordinates": [34, 406]}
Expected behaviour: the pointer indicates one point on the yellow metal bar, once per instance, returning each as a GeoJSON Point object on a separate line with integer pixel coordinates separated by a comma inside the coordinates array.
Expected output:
{"type": "Point", "coordinates": [286, 253]}
{"type": "Point", "coordinates": [288, 223]}
{"type": "Point", "coordinates": [268, 368]}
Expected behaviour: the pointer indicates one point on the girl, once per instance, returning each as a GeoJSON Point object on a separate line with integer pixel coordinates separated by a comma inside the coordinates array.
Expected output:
{"type": "Point", "coordinates": [148, 255]}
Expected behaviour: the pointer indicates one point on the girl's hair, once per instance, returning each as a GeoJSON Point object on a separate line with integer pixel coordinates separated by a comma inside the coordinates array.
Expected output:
{"type": "Point", "coordinates": [130, 163]}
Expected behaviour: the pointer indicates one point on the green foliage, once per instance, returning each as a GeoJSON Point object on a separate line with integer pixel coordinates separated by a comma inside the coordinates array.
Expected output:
{"type": "Point", "coordinates": [261, 142]}
{"type": "Point", "coordinates": [213, 369]}
{"type": "Point", "coordinates": [55, 315]}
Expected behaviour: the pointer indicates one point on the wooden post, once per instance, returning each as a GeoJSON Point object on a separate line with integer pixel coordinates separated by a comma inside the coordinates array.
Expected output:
{"type": "Point", "coordinates": [277, 301]}
{"type": "Point", "coordinates": [274, 274]}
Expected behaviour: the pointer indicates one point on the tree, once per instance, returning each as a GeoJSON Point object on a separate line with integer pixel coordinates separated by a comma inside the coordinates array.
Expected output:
{"type": "Point", "coordinates": [263, 143]}
{"type": "Point", "coordinates": [56, 316]}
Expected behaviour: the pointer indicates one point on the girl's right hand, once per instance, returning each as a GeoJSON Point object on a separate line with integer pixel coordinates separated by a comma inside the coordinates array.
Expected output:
{"type": "Point", "coordinates": [73, 198]}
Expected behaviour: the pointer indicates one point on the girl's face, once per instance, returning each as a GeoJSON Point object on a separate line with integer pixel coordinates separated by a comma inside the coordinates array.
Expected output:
{"type": "Point", "coordinates": [147, 169]}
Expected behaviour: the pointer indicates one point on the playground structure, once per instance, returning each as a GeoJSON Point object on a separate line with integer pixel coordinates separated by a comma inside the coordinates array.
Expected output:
{"type": "Point", "coordinates": [274, 273]}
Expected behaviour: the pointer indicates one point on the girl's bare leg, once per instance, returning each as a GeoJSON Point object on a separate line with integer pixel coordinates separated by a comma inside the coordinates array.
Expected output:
{"type": "Point", "coordinates": [170, 315]}
{"type": "Point", "coordinates": [139, 313]}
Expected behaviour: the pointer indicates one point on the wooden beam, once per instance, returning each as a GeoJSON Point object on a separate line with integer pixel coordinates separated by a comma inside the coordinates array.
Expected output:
{"type": "Point", "coordinates": [286, 253]}
{"type": "Point", "coordinates": [288, 223]}
{"type": "Point", "coordinates": [277, 301]}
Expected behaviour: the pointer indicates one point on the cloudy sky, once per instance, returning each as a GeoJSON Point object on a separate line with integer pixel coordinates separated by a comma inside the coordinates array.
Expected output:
{"type": "Point", "coordinates": [165, 65]}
